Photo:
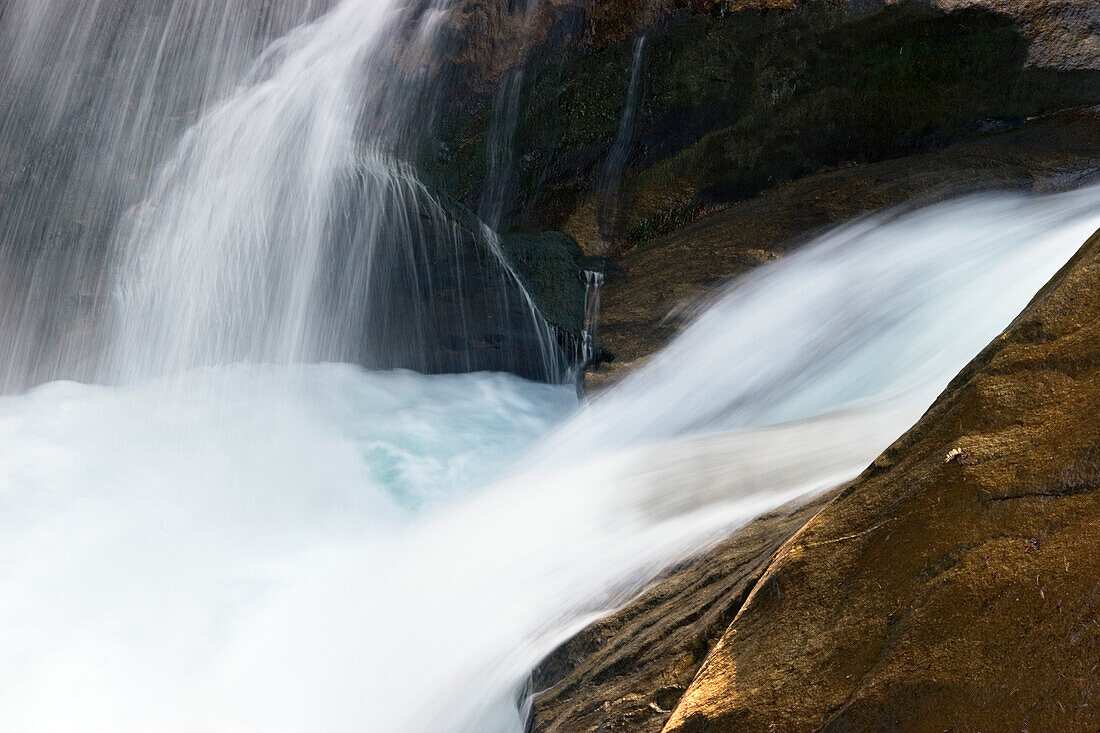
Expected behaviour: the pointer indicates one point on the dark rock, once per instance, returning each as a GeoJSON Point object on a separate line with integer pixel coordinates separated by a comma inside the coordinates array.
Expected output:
{"type": "Point", "coordinates": [445, 296]}
{"type": "Point", "coordinates": [550, 263]}
{"type": "Point", "coordinates": [734, 99]}
{"type": "Point", "coordinates": [736, 102]}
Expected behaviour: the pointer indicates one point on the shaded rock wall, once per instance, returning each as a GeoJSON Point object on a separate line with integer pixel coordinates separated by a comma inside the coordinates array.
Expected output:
{"type": "Point", "coordinates": [619, 122]}
{"type": "Point", "coordinates": [440, 298]}
{"type": "Point", "coordinates": [733, 99]}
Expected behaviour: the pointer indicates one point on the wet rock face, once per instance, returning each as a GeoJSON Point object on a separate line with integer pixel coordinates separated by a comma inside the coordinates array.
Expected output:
{"type": "Point", "coordinates": [552, 263]}
{"type": "Point", "coordinates": [953, 586]}
{"type": "Point", "coordinates": [624, 123]}
{"type": "Point", "coordinates": [731, 99]}
{"type": "Point", "coordinates": [447, 295]}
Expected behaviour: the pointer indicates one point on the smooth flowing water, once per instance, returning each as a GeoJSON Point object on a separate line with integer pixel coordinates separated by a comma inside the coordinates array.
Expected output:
{"type": "Point", "coordinates": [172, 208]}
{"type": "Point", "coordinates": [218, 528]}
{"type": "Point", "coordinates": [319, 548]}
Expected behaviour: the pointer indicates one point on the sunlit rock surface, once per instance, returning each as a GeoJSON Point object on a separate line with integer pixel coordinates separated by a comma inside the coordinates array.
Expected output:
{"type": "Point", "coordinates": [628, 671]}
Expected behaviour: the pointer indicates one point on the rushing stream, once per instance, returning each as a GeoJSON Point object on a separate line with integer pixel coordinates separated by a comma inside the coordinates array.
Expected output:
{"type": "Point", "coordinates": [306, 548]}
{"type": "Point", "coordinates": [213, 518]}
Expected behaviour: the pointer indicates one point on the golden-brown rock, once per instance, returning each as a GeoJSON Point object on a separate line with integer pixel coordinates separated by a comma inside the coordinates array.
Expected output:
{"type": "Point", "coordinates": [955, 584]}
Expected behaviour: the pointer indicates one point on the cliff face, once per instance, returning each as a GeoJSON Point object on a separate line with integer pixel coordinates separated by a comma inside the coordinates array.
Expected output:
{"type": "Point", "coordinates": [628, 124]}
{"type": "Point", "coordinates": [621, 121]}
{"type": "Point", "coordinates": [954, 585]}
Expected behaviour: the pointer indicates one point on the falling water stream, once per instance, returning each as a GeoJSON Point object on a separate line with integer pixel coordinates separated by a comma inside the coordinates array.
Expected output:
{"type": "Point", "coordinates": [282, 224]}
{"type": "Point", "coordinates": [214, 517]}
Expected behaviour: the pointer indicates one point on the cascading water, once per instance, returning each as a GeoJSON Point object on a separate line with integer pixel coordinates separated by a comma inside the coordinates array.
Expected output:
{"type": "Point", "coordinates": [280, 226]}
{"type": "Point", "coordinates": [611, 176]}
{"type": "Point", "coordinates": [281, 548]}
{"type": "Point", "coordinates": [93, 97]}
{"type": "Point", "coordinates": [201, 545]}
{"type": "Point", "coordinates": [501, 148]}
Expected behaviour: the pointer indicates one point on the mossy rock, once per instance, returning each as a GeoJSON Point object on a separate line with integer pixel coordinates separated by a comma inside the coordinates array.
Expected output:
{"type": "Point", "coordinates": [550, 266]}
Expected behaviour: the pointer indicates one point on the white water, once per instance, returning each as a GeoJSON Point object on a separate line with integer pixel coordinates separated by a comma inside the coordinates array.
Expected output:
{"type": "Point", "coordinates": [94, 95]}
{"type": "Point", "coordinates": [274, 220]}
{"type": "Point", "coordinates": [313, 548]}
{"type": "Point", "coordinates": [614, 167]}
{"type": "Point", "coordinates": [221, 261]}
{"type": "Point", "coordinates": [270, 547]}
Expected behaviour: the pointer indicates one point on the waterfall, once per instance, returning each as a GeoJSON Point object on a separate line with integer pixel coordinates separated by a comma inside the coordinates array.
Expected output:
{"type": "Point", "coordinates": [241, 491]}
{"type": "Point", "coordinates": [500, 148]}
{"type": "Point", "coordinates": [280, 225]}
{"type": "Point", "coordinates": [612, 173]}
{"type": "Point", "coordinates": [92, 99]}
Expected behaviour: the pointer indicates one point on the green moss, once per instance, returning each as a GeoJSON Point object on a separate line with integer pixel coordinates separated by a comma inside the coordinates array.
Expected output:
{"type": "Point", "coordinates": [578, 104]}
{"type": "Point", "coordinates": [459, 146]}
